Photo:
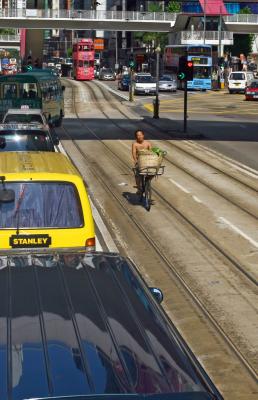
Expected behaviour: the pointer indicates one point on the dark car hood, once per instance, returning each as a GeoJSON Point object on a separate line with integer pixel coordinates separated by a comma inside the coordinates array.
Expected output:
{"type": "Point", "coordinates": [75, 324]}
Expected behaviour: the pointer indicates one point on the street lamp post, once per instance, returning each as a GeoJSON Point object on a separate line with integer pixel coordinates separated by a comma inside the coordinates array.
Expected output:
{"type": "Point", "coordinates": [156, 101]}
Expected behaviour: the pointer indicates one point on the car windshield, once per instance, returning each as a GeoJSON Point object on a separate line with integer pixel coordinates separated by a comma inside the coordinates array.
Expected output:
{"type": "Point", "coordinates": [108, 71]}
{"type": "Point", "coordinates": [254, 85]}
{"type": "Point", "coordinates": [144, 79]}
{"type": "Point", "coordinates": [166, 78]}
{"type": "Point", "coordinates": [23, 118]}
{"type": "Point", "coordinates": [24, 140]}
{"type": "Point", "coordinates": [237, 76]}
{"type": "Point", "coordinates": [41, 204]}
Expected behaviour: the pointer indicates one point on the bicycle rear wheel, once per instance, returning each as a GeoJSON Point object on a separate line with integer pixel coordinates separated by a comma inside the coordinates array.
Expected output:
{"type": "Point", "coordinates": [147, 194]}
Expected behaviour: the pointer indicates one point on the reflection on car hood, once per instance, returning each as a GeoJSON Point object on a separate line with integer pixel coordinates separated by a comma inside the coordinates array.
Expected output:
{"type": "Point", "coordinates": [75, 324]}
{"type": "Point", "coordinates": [166, 396]}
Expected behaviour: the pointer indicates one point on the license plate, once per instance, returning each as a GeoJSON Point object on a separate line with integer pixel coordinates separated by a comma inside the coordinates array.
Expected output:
{"type": "Point", "coordinates": [147, 91]}
{"type": "Point", "coordinates": [29, 241]}
{"type": "Point", "coordinates": [237, 84]}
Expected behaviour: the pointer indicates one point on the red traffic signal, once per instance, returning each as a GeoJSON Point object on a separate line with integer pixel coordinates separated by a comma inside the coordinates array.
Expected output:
{"type": "Point", "coordinates": [189, 70]}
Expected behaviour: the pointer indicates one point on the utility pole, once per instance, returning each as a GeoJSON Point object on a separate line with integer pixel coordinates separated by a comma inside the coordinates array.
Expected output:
{"type": "Point", "coordinates": [219, 46]}
{"type": "Point", "coordinates": [156, 101]}
{"type": "Point", "coordinates": [204, 22]}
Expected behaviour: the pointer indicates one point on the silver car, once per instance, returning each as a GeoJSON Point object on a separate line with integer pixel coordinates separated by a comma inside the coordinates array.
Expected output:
{"type": "Point", "coordinates": [107, 74]}
{"type": "Point", "coordinates": [144, 83]}
{"type": "Point", "coordinates": [168, 83]}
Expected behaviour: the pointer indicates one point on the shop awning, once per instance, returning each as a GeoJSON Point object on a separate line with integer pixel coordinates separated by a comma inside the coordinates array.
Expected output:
{"type": "Point", "coordinates": [213, 7]}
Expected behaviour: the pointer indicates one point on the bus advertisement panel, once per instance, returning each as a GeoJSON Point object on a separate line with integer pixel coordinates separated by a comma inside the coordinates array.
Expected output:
{"type": "Point", "coordinates": [200, 55]}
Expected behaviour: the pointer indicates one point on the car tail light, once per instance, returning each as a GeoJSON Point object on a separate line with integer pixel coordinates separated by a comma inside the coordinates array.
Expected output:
{"type": "Point", "coordinates": [90, 244]}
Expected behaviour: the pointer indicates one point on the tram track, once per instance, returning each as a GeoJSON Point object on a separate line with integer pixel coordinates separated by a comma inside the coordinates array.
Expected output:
{"type": "Point", "coordinates": [144, 124]}
{"type": "Point", "coordinates": [171, 268]}
{"type": "Point", "coordinates": [175, 210]}
{"type": "Point", "coordinates": [147, 124]}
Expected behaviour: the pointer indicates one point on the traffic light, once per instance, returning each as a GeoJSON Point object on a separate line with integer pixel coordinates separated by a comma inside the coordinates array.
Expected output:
{"type": "Point", "coordinates": [181, 76]}
{"type": "Point", "coordinates": [185, 69]}
{"type": "Point", "coordinates": [131, 64]}
{"type": "Point", "coordinates": [189, 71]}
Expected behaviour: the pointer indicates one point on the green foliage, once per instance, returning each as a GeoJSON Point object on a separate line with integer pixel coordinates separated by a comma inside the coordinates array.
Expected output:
{"type": "Point", "coordinates": [245, 10]}
{"type": "Point", "coordinates": [243, 44]}
{"type": "Point", "coordinates": [7, 31]}
{"type": "Point", "coordinates": [154, 6]}
{"type": "Point", "coordinates": [174, 6]}
{"type": "Point", "coordinates": [152, 39]}
{"type": "Point", "coordinates": [69, 52]}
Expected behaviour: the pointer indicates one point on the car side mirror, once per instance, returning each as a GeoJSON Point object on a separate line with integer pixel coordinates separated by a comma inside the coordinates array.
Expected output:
{"type": "Point", "coordinates": [157, 294]}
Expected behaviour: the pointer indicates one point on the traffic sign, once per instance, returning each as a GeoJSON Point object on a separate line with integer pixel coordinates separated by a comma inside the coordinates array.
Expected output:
{"type": "Point", "coordinates": [29, 67]}
{"type": "Point", "coordinates": [131, 64]}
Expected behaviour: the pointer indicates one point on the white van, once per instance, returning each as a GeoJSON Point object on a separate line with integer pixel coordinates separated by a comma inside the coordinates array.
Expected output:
{"type": "Point", "coordinates": [239, 80]}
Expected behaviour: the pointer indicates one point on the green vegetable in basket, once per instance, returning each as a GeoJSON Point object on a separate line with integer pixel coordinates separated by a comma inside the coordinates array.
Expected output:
{"type": "Point", "coordinates": [158, 151]}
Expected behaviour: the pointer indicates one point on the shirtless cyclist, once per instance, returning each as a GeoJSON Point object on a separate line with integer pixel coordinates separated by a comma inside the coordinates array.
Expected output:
{"type": "Point", "coordinates": [139, 144]}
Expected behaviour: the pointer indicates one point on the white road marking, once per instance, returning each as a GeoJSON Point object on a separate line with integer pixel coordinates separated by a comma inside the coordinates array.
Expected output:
{"type": "Point", "coordinates": [237, 230]}
{"type": "Point", "coordinates": [197, 199]}
{"type": "Point", "coordinates": [103, 229]}
{"type": "Point", "coordinates": [179, 186]}
{"type": "Point", "coordinates": [233, 163]}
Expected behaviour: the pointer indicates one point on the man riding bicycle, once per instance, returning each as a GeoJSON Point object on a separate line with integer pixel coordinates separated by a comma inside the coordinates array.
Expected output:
{"type": "Point", "coordinates": [139, 144]}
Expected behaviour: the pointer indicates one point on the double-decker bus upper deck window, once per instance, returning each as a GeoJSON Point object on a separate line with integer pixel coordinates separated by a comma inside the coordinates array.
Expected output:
{"type": "Point", "coordinates": [199, 50]}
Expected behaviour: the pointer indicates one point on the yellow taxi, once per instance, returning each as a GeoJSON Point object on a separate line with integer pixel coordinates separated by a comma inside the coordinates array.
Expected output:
{"type": "Point", "coordinates": [43, 203]}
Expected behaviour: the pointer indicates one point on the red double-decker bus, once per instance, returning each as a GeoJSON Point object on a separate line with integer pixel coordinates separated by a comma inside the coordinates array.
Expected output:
{"type": "Point", "coordinates": [83, 60]}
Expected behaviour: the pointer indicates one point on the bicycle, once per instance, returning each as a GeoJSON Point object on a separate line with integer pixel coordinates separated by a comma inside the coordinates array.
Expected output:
{"type": "Point", "coordinates": [146, 175]}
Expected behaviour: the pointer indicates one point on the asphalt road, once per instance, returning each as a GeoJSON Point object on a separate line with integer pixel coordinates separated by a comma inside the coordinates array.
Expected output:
{"type": "Point", "coordinates": [223, 122]}
{"type": "Point", "coordinates": [198, 243]}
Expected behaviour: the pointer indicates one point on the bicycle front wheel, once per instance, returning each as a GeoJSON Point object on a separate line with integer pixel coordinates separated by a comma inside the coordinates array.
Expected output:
{"type": "Point", "coordinates": [148, 194]}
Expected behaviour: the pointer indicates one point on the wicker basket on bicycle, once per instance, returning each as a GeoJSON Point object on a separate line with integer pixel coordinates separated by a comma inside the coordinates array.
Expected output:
{"type": "Point", "coordinates": [149, 162]}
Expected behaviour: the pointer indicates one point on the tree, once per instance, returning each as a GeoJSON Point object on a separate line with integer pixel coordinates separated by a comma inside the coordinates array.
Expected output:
{"type": "Point", "coordinates": [243, 44]}
{"type": "Point", "coordinates": [69, 52]}
{"type": "Point", "coordinates": [174, 6]}
{"type": "Point", "coordinates": [154, 6]}
{"type": "Point", "coordinates": [7, 31]}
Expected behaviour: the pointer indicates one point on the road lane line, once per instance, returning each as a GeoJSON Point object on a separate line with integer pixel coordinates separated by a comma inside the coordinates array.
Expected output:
{"type": "Point", "coordinates": [103, 229]}
{"type": "Point", "coordinates": [197, 199]}
{"type": "Point", "coordinates": [179, 186]}
{"type": "Point", "coordinates": [237, 230]}
{"type": "Point", "coordinates": [233, 163]}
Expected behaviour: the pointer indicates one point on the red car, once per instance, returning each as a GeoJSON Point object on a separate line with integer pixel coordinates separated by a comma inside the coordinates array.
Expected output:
{"type": "Point", "coordinates": [251, 92]}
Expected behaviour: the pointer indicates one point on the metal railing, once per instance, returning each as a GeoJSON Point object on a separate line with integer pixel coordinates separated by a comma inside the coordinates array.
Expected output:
{"type": "Point", "coordinates": [9, 38]}
{"type": "Point", "coordinates": [209, 35]}
{"type": "Point", "coordinates": [242, 18]}
{"type": "Point", "coordinates": [88, 15]}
